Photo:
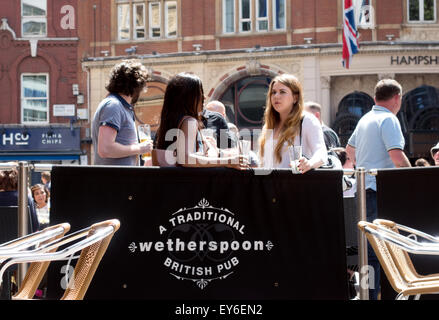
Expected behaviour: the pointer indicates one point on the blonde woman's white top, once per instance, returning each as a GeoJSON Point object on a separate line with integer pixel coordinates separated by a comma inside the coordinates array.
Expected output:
{"type": "Point", "coordinates": [313, 145]}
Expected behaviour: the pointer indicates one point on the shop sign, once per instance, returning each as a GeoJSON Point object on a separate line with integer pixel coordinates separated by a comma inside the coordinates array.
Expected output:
{"type": "Point", "coordinates": [39, 139]}
{"type": "Point", "coordinates": [414, 60]}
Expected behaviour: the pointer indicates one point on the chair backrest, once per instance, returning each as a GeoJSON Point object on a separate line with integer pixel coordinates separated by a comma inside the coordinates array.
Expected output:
{"type": "Point", "coordinates": [36, 270]}
{"type": "Point", "coordinates": [384, 256]}
{"type": "Point", "coordinates": [88, 261]}
{"type": "Point", "coordinates": [163, 158]}
{"type": "Point", "coordinates": [92, 242]}
{"type": "Point", "coordinates": [401, 257]}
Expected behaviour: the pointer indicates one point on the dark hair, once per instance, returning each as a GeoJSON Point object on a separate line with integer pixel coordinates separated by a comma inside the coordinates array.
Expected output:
{"type": "Point", "coordinates": [386, 89]}
{"type": "Point", "coordinates": [341, 154]}
{"type": "Point", "coordinates": [9, 180]}
{"type": "Point", "coordinates": [183, 95]}
{"type": "Point", "coordinates": [38, 187]}
{"type": "Point", "coordinates": [127, 77]}
{"type": "Point", "coordinates": [421, 162]}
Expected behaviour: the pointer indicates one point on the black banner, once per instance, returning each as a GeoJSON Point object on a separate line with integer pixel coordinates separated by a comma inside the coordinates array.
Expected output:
{"type": "Point", "coordinates": [203, 234]}
{"type": "Point", "coordinates": [410, 197]}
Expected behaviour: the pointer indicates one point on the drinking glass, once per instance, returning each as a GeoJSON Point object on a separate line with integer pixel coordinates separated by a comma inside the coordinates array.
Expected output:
{"type": "Point", "coordinates": [145, 135]}
{"type": "Point", "coordinates": [244, 147]}
{"type": "Point", "coordinates": [295, 153]}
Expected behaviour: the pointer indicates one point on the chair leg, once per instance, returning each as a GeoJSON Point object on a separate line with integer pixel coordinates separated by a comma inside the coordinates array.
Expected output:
{"type": "Point", "coordinates": [401, 297]}
{"type": "Point", "coordinates": [417, 297]}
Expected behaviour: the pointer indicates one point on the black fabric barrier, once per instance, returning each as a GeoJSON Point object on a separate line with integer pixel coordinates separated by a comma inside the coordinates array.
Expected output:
{"type": "Point", "coordinates": [285, 232]}
{"type": "Point", "coordinates": [410, 197]}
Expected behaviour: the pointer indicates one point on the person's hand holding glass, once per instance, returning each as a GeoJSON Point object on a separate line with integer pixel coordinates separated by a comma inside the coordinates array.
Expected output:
{"type": "Point", "coordinates": [144, 131]}
{"type": "Point", "coordinates": [295, 153]}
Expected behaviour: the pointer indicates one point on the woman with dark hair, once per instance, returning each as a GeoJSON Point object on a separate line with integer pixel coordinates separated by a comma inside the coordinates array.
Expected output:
{"type": "Point", "coordinates": [41, 195]}
{"type": "Point", "coordinates": [180, 126]}
{"type": "Point", "coordinates": [287, 124]}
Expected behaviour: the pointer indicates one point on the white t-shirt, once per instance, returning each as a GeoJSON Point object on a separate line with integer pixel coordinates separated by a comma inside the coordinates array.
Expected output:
{"type": "Point", "coordinates": [313, 144]}
{"type": "Point", "coordinates": [43, 214]}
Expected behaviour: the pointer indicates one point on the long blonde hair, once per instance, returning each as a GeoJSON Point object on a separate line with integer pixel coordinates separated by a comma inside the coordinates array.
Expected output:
{"type": "Point", "coordinates": [291, 127]}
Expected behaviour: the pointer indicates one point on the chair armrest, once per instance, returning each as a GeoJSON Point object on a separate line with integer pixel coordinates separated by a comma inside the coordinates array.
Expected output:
{"type": "Point", "coordinates": [25, 257]}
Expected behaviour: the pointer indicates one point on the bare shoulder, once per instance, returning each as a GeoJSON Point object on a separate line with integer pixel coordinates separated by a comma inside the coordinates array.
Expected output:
{"type": "Point", "coordinates": [188, 122]}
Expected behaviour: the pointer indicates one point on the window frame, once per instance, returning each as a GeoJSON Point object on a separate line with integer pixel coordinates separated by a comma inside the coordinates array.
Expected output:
{"type": "Point", "coordinates": [25, 19]}
{"type": "Point", "coordinates": [274, 14]}
{"type": "Point", "coordinates": [357, 7]}
{"type": "Point", "coordinates": [150, 26]}
{"type": "Point", "coordinates": [225, 17]}
{"type": "Point", "coordinates": [241, 20]}
{"type": "Point", "coordinates": [259, 19]}
{"type": "Point", "coordinates": [135, 27]}
{"type": "Point", "coordinates": [422, 13]}
{"type": "Point", "coordinates": [23, 98]}
{"type": "Point", "coordinates": [166, 26]}
{"type": "Point", "coordinates": [161, 29]}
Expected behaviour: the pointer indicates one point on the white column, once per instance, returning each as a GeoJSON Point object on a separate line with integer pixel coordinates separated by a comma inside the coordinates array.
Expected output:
{"type": "Point", "coordinates": [325, 94]}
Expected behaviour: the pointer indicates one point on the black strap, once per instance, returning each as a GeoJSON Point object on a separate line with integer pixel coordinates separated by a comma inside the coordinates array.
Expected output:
{"type": "Point", "coordinates": [300, 136]}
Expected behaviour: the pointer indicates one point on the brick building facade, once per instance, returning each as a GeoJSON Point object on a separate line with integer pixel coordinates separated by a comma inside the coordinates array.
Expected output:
{"type": "Point", "coordinates": [238, 46]}
{"type": "Point", "coordinates": [39, 81]}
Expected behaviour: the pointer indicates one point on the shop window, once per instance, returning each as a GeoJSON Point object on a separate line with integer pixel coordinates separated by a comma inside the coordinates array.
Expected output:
{"type": "Point", "coordinates": [253, 15]}
{"type": "Point", "coordinates": [34, 18]}
{"type": "Point", "coordinates": [142, 19]}
{"type": "Point", "coordinates": [35, 98]}
{"type": "Point", "coordinates": [245, 101]}
{"type": "Point", "coordinates": [421, 10]}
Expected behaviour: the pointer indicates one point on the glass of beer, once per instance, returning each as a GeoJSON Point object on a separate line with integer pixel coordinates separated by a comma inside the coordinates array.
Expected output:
{"type": "Point", "coordinates": [295, 153]}
{"type": "Point", "coordinates": [145, 135]}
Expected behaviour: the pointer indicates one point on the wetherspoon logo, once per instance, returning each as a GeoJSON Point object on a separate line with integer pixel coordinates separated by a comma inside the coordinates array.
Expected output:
{"type": "Point", "coordinates": [202, 244]}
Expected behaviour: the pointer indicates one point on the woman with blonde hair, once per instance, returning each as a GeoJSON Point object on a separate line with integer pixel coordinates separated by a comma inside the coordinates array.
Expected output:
{"type": "Point", "coordinates": [287, 124]}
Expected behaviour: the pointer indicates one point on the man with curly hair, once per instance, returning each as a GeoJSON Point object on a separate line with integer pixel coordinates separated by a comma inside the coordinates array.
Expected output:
{"type": "Point", "coordinates": [114, 132]}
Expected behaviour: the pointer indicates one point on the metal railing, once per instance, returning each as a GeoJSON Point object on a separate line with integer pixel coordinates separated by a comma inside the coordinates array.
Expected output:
{"type": "Point", "coordinates": [23, 169]}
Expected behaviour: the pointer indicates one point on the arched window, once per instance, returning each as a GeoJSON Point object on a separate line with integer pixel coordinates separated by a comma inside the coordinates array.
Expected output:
{"type": "Point", "coordinates": [420, 109]}
{"type": "Point", "coordinates": [245, 101]}
{"type": "Point", "coordinates": [149, 107]}
{"type": "Point", "coordinates": [351, 108]}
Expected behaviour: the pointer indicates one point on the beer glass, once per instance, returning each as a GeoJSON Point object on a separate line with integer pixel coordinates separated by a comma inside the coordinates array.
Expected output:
{"type": "Point", "coordinates": [145, 135]}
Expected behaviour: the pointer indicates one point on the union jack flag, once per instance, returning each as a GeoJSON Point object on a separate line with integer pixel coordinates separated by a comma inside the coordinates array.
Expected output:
{"type": "Point", "coordinates": [350, 41]}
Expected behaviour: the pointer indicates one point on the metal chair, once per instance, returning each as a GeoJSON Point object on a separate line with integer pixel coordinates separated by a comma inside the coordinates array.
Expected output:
{"type": "Point", "coordinates": [92, 242]}
{"type": "Point", "coordinates": [30, 244]}
{"type": "Point", "coordinates": [401, 257]}
{"type": "Point", "coordinates": [379, 237]}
